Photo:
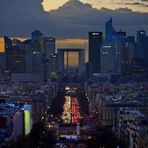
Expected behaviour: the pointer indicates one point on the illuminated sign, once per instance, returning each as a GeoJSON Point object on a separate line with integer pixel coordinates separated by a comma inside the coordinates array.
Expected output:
{"type": "Point", "coordinates": [95, 33]}
{"type": "Point", "coordinates": [27, 122]}
{"type": "Point", "coordinates": [107, 46]}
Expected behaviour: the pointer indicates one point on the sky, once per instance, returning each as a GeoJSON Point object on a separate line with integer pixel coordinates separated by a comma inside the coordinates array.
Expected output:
{"type": "Point", "coordinates": [68, 19]}
{"type": "Point", "coordinates": [135, 5]}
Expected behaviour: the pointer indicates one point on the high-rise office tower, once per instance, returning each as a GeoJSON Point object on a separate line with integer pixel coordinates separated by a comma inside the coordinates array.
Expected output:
{"type": "Point", "coordinates": [111, 55]}
{"type": "Point", "coordinates": [88, 71]}
{"type": "Point", "coordinates": [2, 64]}
{"type": "Point", "coordinates": [111, 49]}
{"type": "Point", "coordinates": [109, 30]}
{"type": "Point", "coordinates": [128, 54]}
{"type": "Point", "coordinates": [37, 60]}
{"type": "Point", "coordinates": [49, 46]}
{"type": "Point", "coordinates": [27, 46]}
{"type": "Point", "coordinates": [95, 41]}
{"type": "Point", "coordinates": [118, 48]}
{"type": "Point", "coordinates": [8, 42]}
{"type": "Point", "coordinates": [37, 41]}
{"type": "Point", "coordinates": [142, 47]}
{"type": "Point", "coordinates": [15, 59]}
{"type": "Point", "coordinates": [36, 35]}
{"type": "Point", "coordinates": [107, 57]}
{"type": "Point", "coordinates": [53, 66]}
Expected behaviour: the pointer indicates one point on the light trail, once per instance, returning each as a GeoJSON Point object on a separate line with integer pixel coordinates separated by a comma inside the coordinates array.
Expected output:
{"type": "Point", "coordinates": [71, 113]}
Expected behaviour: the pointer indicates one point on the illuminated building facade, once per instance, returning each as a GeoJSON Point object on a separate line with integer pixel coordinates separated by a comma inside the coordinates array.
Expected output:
{"type": "Point", "coordinates": [95, 41]}
{"type": "Point", "coordinates": [111, 57]}
{"type": "Point", "coordinates": [107, 61]}
{"type": "Point", "coordinates": [111, 49]}
{"type": "Point", "coordinates": [27, 119]}
{"type": "Point", "coordinates": [13, 123]}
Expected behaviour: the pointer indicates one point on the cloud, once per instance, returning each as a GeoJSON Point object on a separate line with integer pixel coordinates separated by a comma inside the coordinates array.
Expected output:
{"type": "Point", "coordinates": [18, 7]}
{"type": "Point", "coordinates": [72, 20]}
{"type": "Point", "coordinates": [83, 18]}
{"type": "Point", "coordinates": [20, 17]}
{"type": "Point", "coordinates": [136, 3]}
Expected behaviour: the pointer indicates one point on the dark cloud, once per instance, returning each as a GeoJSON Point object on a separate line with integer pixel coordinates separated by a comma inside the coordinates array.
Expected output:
{"type": "Point", "coordinates": [20, 16]}
{"type": "Point", "coordinates": [21, 7]}
{"type": "Point", "coordinates": [135, 3]}
{"type": "Point", "coordinates": [72, 20]}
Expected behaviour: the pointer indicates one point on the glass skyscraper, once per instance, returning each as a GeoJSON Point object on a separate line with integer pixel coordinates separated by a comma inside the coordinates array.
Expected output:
{"type": "Point", "coordinates": [95, 41]}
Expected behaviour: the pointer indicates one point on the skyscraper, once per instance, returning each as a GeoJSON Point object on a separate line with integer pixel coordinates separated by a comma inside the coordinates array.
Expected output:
{"type": "Point", "coordinates": [109, 30]}
{"type": "Point", "coordinates": [128, 54]}
{"type": "Point", "coordinates": [111, 49]}
{"type": "Point", "coordinates": [37, 41]}
{"type": "Point", "coordinates": [15, 59]}
{"type": "Point", "coordinates": [36, 35]}
{"type": "Point", "coordinates": [95, 41]}
{"type": "Point", "coordinates": [142, 47]}
{"type": "Point", "coordinates": [107, 57]}
{"type": "Point", "coordinates": [53, 66]}
{"type": "Point", "coordinates": [88, 71]}
{"type": "Point", "coordinates": [2, 64]}
{"type": "Point", "coordinates": [49, 46]}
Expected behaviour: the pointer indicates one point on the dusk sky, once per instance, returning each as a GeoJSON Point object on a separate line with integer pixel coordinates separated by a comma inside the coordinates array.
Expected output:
{"type": "Point", "coordinates": [135, 5]}
{"type": "Point", "coordinates": [70, 18]}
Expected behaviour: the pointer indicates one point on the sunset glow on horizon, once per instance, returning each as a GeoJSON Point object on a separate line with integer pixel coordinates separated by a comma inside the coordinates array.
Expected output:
{"type": "Point", "coordinates": [2, 45]}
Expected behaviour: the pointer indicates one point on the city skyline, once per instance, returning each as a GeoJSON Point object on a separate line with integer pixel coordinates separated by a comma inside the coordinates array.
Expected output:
{"type": "Point", "coordinates": [74, 73]}
{"type": "Point", "coordinates": [73, 19]}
